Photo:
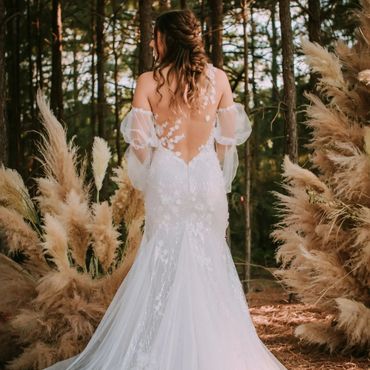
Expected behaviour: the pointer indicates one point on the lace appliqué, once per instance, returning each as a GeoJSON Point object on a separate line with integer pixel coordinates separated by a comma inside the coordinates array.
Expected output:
{"type": "Point", "coordinates": [198, 230]}
{"type": "Point", "coordinates": [208, 145]}
{"type": "Point", "coordinates": [208, 92]}
{"type": "Point", "coordinates": [164, 259]}
{"type": "Point", "coordinates": [169, 139]}
{"type": "Point", "coordinates": [226, 109]}
{"type": "Point", "coordinates": [145, 361]}
{"type": "Point", "coordinates": [168, 133]}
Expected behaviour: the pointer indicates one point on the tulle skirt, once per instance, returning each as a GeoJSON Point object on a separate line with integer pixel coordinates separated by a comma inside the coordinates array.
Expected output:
{"type": "Point", "coordinates": [181, 307]}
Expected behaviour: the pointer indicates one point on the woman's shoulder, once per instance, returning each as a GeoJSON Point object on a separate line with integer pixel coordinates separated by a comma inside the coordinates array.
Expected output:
{"type": "Point", "coordinates": [218, 78]}
{"type": "Point", "coordinates": [143, 90]}
{"type": "Point", "coordinates": [216, 73]}
{"type": "Point", "coordinates": [146, 78]}
{"type": "Point", "coordinates": [145, 85]}
{"type": "Point", "coordinates": [220, 75]}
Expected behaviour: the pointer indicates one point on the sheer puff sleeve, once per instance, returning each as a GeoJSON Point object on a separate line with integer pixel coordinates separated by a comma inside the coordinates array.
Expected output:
{"type": "Point", "coordinates": [138, 131]}
{"type": "Point", "coordinates": [233, 128]}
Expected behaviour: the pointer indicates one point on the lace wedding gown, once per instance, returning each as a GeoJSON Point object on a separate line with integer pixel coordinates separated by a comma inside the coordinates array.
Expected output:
{"type": "Point", "coordinates": [181, 306]}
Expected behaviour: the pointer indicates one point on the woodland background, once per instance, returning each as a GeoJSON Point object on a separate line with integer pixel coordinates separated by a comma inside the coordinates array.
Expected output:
{"type": "Point", "coordinates": [86, 56]}
{"type": "Point", "coordinates": [68, 238]}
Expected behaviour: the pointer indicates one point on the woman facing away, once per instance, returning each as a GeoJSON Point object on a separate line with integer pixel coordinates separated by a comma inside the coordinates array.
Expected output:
{"type": "Point", "coordinates": [181, 306]}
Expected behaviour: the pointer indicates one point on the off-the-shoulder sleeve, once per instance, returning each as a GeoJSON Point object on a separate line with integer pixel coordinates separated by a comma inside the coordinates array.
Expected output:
{"type": "Point", "coordinates": [233, 128]}
{"type": "Point", "coordinates": [138, 130]}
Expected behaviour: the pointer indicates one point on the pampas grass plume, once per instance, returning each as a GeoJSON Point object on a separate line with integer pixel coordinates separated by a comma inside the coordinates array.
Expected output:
{"type": "Point", "coordinates": [367, 139]}
{"type": "Point", "coordinates": [101, 155]}
{"type": "Point", "coordinates": [14, 194]}
{"type": "Point", "coordinates": [364, 76]}
{"type": "Point", "coordinates": [324, 230]}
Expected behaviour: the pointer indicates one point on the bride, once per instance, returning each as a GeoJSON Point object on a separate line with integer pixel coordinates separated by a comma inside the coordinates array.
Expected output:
{"type": "Point", "coordinates": [181, 306]}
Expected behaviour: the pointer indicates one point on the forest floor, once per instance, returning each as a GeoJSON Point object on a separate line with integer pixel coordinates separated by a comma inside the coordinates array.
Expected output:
{"type": "Point", "coordinates": [275, 320]}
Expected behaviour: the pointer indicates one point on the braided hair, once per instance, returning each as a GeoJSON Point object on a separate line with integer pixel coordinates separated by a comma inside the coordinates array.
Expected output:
{"type": "Point", "coordinates": [184, 54]}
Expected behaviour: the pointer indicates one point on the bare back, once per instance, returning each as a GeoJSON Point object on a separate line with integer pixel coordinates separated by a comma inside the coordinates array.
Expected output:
{"type": "Point", "coordinates": [184, 132]}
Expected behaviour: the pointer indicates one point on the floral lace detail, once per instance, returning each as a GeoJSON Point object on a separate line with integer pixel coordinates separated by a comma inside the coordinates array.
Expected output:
{"type": "Point", "coordinates": [208, 92]}
{"type": "Point", "coordinates": [169, 139]}
{"type": "Point", "coordinates": [164, 260]}
{"type": "Point", "coordinates": [209, 144]}
{"type": "Point", "coordinates": [178, 221]}
{"type": "Point", "coordinates": [169, 133]}
{"type": "Point", "coordinates": [226, 109]}
{"type": "Point", "coordinates": [145, 361]}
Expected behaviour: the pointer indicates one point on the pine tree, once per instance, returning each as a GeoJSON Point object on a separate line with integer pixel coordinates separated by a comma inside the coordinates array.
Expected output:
{"type": "Point", "coordinates": [325, 226]}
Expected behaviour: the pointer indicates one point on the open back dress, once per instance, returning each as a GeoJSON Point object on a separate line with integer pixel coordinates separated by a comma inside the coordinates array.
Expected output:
{"type": "Point", "coordinates": [182, 305]}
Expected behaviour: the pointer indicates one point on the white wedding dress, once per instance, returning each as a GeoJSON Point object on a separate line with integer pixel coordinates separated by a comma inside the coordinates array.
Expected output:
{"type": "Point", "coordinates": [181, 306]}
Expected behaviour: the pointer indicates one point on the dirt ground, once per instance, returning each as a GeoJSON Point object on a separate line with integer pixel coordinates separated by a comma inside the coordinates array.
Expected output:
{"type": "Point", "coordinates": [276, 319]}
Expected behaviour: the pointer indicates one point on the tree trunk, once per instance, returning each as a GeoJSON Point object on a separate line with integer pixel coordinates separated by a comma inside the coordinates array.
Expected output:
{"type": "Point", "coordinates": [93, 46]}
{"type": "Point", "coordinates": [183, 4]}
{"type": "Point", "coordinates": [206, 27]}
{"type": "Point", "coordinates": [30, 64]}
{"type": "Point", "coordinates": [274, 52]}
{"type": "Point", "coordinates": [253, 59]}
{"type": "Point", "coordinates": [291, 137]}
{"type": "Point", "coordinates": [216, 10]}
{"type": "Point", "coordinates": [314, 26]}
{"type": "Point", "coordinates": [3, 130]}
{"type": "Point", "coordinates": [34, 169]}
{"type": "Point", "coordinates": [256, 134]}
{"type": "Point", "coordinates": [100, 63]}
{"type": "Point", "coordinates": [56, 95]}
{"type": "Point", "coordinates": [116, 88]}
{"type": "Point", "coordinates": [75, 73]}
{"type": "Point", "coordinates": [145, 52]}
{"type": "Point", "coordinates": [247, 157]}
{"type": "Point", "coordinates": [39, 73]}
{"type": "Point", "coordinates": [13, 72]}
{"type": "Point", "coordinates": [314, 21]}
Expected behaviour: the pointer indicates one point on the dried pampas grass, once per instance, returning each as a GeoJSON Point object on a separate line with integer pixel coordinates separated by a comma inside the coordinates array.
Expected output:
{"type": "Point", "coordinates": [101, 155]}
{"type": "Point", "coordinates": [15, 195]}
{"type": "Point", "coordinates": [18, 236]}
{"type": "Point", "coordinates": [56, 242]}
{"type": "Point", "coordinates": [345, 333]}
{"type": "Point", "coordinates": [364, 77]}
{"type": "Point", "coordinates": [354, 321]}
{"type": "Point", "coordinates": [123, 210]}
{"type": "Point", "coordinates": [17, 288]}
{"type": "Point", "coordinates": [105, 235]}
{"type": "Point", "coordinates": [331, 82]}
{"type": "Point", "coordinates": [74, 259]}
{"type": "Point", "coordinates": [75, 216]}
{"type": "Point", "coordinates": [320, 334]}
{"type": "Point", "coordinates": [58, 159]}
{"type": "Point", "coordinates": [324, 233]}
